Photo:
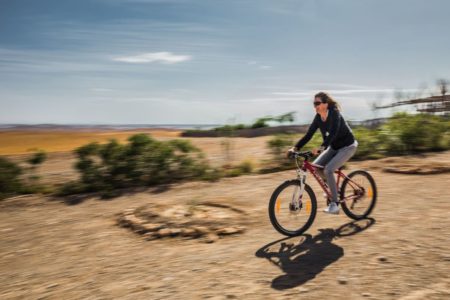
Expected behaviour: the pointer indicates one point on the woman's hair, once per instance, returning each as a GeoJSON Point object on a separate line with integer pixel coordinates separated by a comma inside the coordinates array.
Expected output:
{"type": "Point", "coordinates": [325, 98]}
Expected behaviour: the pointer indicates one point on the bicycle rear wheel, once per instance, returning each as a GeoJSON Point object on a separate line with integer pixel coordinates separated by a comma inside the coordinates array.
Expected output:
{"type": "Point", "coordinates": [286, 218]}
{"type": "Point", "coordinates": [360, 194]}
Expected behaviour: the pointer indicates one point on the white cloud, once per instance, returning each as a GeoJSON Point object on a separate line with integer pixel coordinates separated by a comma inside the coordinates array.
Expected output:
{"type": "Point", "coordinates": [164, 57]}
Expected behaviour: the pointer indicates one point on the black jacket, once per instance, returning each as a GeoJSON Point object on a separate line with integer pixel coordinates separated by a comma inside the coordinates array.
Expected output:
{"type": "Point", "coordinates": [335, 131]}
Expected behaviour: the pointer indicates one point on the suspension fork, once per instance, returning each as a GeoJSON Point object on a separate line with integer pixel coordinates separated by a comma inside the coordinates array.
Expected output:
{"type": "Point", "coordinates": [297, 201]}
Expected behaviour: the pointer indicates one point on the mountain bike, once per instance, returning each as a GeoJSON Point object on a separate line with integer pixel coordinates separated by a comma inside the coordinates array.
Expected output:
{"type": "Point", "coordinates": [293, 204]}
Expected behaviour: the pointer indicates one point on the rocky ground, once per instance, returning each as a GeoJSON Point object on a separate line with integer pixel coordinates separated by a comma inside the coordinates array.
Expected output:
{"type": "Point", "coordinates": [52, 250]}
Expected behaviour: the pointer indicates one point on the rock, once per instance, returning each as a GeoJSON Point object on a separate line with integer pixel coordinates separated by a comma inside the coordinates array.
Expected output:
{"type": "Point", "coordinates": [164, 232]}
{"type": "Point", "coordinates": [200, 215]}
{"type": "Point", "coordinates": [152, 226]}
{"type": "Point", "coordinates": [209, 222]}
{"type": "Point", "coordinates": [175, 231]}
{"type": "Point", "coordinates": [227, 230]}
{"type": "Point", "coordinates": [211, 238]}
{"type": "Point", "coordinates": [382, 259]}
{"type": "Point", "coordinates": [121, 221]}
{"type": "Point", "coordinates": [342, 280]}
{"type": "Point", "coordinates": [366, 294]}
{"type": "Point", "coordinates": [202, 230]}
{"type": "Point", "coordinates": [240, 228]}
{"type": "Point", "coordinates": [188, 232]}
{"type": "Point", "coordinates": [131, 221]}
{"type": "Point", "coordinates": [128, 211]}
{"type": "Point", "coordinates": [149, 236]}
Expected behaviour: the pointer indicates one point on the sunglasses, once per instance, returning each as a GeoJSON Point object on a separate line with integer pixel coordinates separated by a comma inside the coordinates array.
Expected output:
{"type": "Point", "coordinates": [317, 103]}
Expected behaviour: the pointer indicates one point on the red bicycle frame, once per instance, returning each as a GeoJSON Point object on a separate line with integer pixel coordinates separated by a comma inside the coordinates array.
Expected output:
{"type": "Point", "coordinates": [358, 190]}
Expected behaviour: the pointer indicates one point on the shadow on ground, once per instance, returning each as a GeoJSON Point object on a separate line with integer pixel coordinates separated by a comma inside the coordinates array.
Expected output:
{"type": "Point", "coordinates": [303, 260]}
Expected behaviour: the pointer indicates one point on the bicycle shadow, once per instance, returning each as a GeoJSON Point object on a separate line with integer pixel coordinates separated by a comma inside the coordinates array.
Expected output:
{"type": "Point", "coordinates": [304, 261]}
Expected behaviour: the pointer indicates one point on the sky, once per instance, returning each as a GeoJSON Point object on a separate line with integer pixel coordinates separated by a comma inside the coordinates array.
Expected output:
{"type": "Point", "coordinates": [213, 61]}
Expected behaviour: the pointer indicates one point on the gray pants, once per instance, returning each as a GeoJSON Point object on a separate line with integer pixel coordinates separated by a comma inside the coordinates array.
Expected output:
{"type": "Point", "coordinates": [331, 160]}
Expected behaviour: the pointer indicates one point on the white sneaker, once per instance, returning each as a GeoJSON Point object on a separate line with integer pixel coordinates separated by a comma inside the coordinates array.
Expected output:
{"type": "Point", "coordinates": [333, 208]}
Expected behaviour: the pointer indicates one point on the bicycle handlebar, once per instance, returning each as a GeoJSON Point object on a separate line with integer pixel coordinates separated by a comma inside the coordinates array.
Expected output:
{"type": "Point", "coordinates": [304, 154]}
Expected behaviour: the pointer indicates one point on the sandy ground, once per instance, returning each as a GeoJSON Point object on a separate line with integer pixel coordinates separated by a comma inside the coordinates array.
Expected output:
{"type": "Point", "coordinates": [50, 250]}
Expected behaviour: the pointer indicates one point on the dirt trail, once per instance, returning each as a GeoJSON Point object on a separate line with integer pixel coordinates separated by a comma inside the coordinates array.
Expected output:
{"type": "Point", "coordinates": [50, 250]}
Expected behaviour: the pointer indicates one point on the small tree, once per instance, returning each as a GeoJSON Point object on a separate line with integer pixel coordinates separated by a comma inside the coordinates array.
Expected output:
{"type": "Point", "coordinates": [261, 122]}
{"type": "Point", "coordinates": [287, 117]}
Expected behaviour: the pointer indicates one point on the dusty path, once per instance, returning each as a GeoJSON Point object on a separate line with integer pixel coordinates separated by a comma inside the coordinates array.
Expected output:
{"type": "Point", "coordinates": [49, 250]}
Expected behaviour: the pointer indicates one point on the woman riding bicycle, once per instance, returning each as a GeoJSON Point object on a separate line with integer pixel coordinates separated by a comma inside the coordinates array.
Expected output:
{"type": "Point", "coordinates": [338, 142]}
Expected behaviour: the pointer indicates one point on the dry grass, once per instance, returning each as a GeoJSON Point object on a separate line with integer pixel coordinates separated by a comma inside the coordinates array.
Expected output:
{"type": "Point", "coordinates": [22, 142]}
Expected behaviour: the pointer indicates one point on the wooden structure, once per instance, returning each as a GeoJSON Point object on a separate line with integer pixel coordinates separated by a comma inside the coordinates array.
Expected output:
{"type": "Point", "coordinates": [434, 104]}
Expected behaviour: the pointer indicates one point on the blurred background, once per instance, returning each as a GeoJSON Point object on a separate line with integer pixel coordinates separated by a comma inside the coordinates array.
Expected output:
{"type": "Point", "coordinates": [167, 106]}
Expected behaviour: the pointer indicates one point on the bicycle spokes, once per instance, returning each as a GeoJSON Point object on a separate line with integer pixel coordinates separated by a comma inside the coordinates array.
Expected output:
{"type": "Point", "coordinates": [358, 194]}
{"type": "Point", "coordinates": [296, 199]}
{"type": "Point", "coordinates": [291, 208]}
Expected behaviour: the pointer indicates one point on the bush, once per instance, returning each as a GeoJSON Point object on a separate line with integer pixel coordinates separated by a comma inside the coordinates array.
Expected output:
{"type": "Point", "coordinates": [368, 143]}
{"type": "Point", "coordinates": [144, 161]}
{"type": "Point", "coordinates": [402, 134]}
{"type": "Point", "coordinates": [10, 183]}
{"type": "Point", "coordinates": [246, 167]}
{"type": "Point", "coordinates": [37, 158]}
{"type": "Point", "coordinates": [213, 174]}
{"type": "Point", "coordinates": [279, 144]}
{"type": "Point", "coordinates": [414, 133]}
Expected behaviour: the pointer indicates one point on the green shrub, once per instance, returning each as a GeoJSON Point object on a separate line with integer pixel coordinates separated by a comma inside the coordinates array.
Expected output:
{"type": "Point", "coordinates": [404, 133]}
{"type": "Point", "coordinates": [279, 144]}
{"type": "Point", "coordinates": [213, 174]}
{"type": "Point", "coordinates": [71, 188]}
{"type": "Point", "coordinates": [144, 161]}
{"type": "Point", "coordinates": [10, 182]}
{"type": "Point", "coordinates": [368, 143]}
{"type": "Point", "coordinates": [37, 158]}
{"type": "Point", "coordinates": [245, 167]}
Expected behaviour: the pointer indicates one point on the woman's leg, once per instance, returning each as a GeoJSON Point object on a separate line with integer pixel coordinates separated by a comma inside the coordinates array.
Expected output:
{"type": "Point", "coordinates": [323, 159]}
{"type": "Point", "coordinates": [338, 160]}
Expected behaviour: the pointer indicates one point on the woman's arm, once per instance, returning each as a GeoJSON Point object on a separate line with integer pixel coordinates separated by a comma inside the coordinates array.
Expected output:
{"type": "Point", "coordinates": [309, 134]}
{"type": "Point", "coordinates": [335, 124]}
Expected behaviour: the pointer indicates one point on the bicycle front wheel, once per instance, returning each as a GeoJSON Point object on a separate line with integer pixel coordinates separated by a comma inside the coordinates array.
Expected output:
{"type": "Point", "coordinates": [288, 218]}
